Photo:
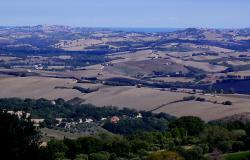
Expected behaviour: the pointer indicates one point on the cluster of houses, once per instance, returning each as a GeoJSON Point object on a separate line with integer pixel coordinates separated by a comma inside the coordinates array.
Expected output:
{"type": "Point", "coordinates": [64, 123]}
{"type": "Point", "coordinates": [38, 67]}
{"type": "Point", "coordinates": [67, 123]}
{"type": "Point", "coordinates": [20, 114]}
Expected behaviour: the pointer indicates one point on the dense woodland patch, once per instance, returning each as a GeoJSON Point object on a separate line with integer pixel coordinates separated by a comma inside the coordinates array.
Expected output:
{"type": "Point", "coordinates": [151, 137]}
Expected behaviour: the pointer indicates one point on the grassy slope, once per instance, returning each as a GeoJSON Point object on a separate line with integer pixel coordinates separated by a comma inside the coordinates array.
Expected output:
{"type": "Point", "coordinates": [236, 156]}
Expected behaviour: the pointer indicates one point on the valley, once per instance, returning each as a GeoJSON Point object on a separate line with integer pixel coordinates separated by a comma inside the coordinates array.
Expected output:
{"type": "Point", "coordinates": [136, 70]}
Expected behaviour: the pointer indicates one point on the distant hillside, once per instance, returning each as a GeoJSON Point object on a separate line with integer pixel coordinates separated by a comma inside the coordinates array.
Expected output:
{"type": "Point", "coordinates": [242, 117]}
{"type": "Point", "coordinates": [45, 37]}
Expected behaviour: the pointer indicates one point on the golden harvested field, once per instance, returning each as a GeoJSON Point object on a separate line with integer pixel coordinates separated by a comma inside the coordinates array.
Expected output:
{"type": "Point", "coordinates": [240, 73]}
{"type": "Point", "coordinates": [149, 99]}
{"type": "Point", "coordinates": [135, 56]}
{"type": "Point", "coordinates": [183, 60]}
{"type": "Point", "coordinates": [147, 67]}
{"type": "Point", "coordinates": [131, 97]}
{"type": "Point", "coordinates": [37, 87]}
{"type": "Point", "coordinates": [7, 58]}
{"type": "Point", "coordinates": [42, 87]}
{"type": "Point", "coordinates": [207, 110]}
{"type": "Point", "coordinates": [202, 65]}
{"type": "Point", "coordinates": [198, 58]}
{"type": "Point", "coordinates": [237, 63]}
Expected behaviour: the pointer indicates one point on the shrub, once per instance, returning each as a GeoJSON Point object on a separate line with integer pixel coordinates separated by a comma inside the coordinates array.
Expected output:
{"type": "Point", "coordinates": [99, 156]}
{"type": "Point", "coordinates": [214, 134]}
{"type": "Point", "coordinates": [195, 153]}
{"type": "Point", "coordinates": [164, 155]}
{"type": "Point", "coordinates": [225, 146]}
{"type": "Point", "coordinates": [189, 98]}
{"type": "Point", "coordinates": [238, 146]}
{"type": "Point", "coordinates": [204, 147]}
{"type": "Point", "coordinates": [19, 138]}
{"type": "Point", "coordinates": [227, 103]}
{"type": "Point", "coordinates": [200, 99]}
{"type": "Point", "coordinates": [81, 157]}
{"type": "Point", "coordinates": [192, 125]}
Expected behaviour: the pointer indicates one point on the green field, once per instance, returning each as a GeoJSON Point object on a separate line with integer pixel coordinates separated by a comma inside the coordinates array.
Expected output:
{"type": "Point", "coordinates": [49, 134]}
{"type": "Point", "coordinates": [236, 156]}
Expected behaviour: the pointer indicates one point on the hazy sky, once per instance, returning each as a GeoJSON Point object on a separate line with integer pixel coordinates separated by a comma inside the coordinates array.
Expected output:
{"type": "Point", "coordinates": [127, 13]}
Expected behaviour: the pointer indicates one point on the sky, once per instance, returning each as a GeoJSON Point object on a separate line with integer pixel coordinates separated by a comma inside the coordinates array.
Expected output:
{"type": "Point", "coordinates": [127, 13]}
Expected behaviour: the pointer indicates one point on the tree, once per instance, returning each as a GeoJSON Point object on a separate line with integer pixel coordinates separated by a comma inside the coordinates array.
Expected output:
{"type": "Point", "coordinates": [56, 149]}
{"type": "Point", "coordinates": [204, 147]}
{"type": "Point", "coordinates": [90, 145]}
{"type": "Point", "coordinates": [227, 103]}
{"type": "Point", "coordinates": [19, 138]}
{"type": "Point", "coordinates": [215, 134]}
{"type": "Point", "coordinates": [231, 91]}
{"type": "Point", "coordinates": [200, 99]}
{"type": "Point", "coordinates": [238, 146]}
{"type": "Point", "coordinates": [137, 145]}
{"type": "Point", "coordinates": [73, 148]}
{"type": "Point", "coordinates": [238, 134]}
{"type": "Point", "coordinates": [189, 98]}
{"type": "Point", "coordinates": [178, 132]}
{"type": "Point", "coordinates": [173, 89]}
{"type": "Point", "coordinates": [235, 125]}
{"type": "Point", "coordinates": [120, 147]}
{"type": "Point", "coordinates": [59, 101]}
{"type": "Point", "coordinates": [164, 155]}
{"type": "Point", "coordinates": [99, 156]}
{"type": "Point", "coordinates": [81, 157]}
{"type": "Point", "coordinates": [191, 125]}
{"type": "Point", "coordinates": [194, 153]}
{"type": "Point", "coordinates": [225, 146]}
{"type": "Point", "coordinates": [221, 91]}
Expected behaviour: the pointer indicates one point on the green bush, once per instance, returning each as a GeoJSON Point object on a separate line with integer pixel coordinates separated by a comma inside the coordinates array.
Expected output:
{"type": "Point", "coordinates": [225, 146]}
{"type": "Point", "coordinates": [99, 156]}
{"type": "Point", "coordinates": [200, 99]}
{"type": "Point", "coordinates": [189, 98]}
{"type": "Point", "coordinates": [238, 146]}
{"type": "Point", "coordinates": [191, 125]}
{"type": "Point", "coordinates": [164, 155]}
{"type": "Point", "coordinates": [81, 157]}
{"type": "Point", "coordinates": [227, 103]}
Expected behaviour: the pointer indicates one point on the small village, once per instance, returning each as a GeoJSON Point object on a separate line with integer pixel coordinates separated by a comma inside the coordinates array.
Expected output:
{"type": "Point", "coordinates": [70, 124]}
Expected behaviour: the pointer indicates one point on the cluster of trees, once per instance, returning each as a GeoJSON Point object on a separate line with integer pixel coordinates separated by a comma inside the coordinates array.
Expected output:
{"type": "Point", "coordinates": [230, 86]}
{"type": "Point", "coordinates": [152, 136]}
{"type": "Point", "coordinates": [186, 138]}
{"type": "Point", "coordinates": [48, 110]}
{"type": "Point", "coordinates": [148, 122]}
{"type": "Point", "coordinates": [191, 138]}
{"type": "Point", "coordinates": [19, 138]}
{"type": "Point", "coordinates": [224, 86]}
{"type": "Point", "coordinates": [84, 90]}
{"type": "Point", "coordinates": [78, 58]}
{"type": "Point", "coordinates": [200, 99]}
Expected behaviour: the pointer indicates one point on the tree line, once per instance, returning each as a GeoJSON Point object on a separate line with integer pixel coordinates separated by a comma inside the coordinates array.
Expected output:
{"type": "Point", "coordinates": [181, 138]}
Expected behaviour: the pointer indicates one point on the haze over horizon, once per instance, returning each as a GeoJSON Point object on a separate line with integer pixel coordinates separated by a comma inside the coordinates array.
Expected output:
{"type": "Point", "coordinates": [127, 14]}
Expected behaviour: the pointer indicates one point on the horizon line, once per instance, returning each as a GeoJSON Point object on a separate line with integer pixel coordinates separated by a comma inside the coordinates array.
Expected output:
{"type": "Point", "coordinates": [128, 27]}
